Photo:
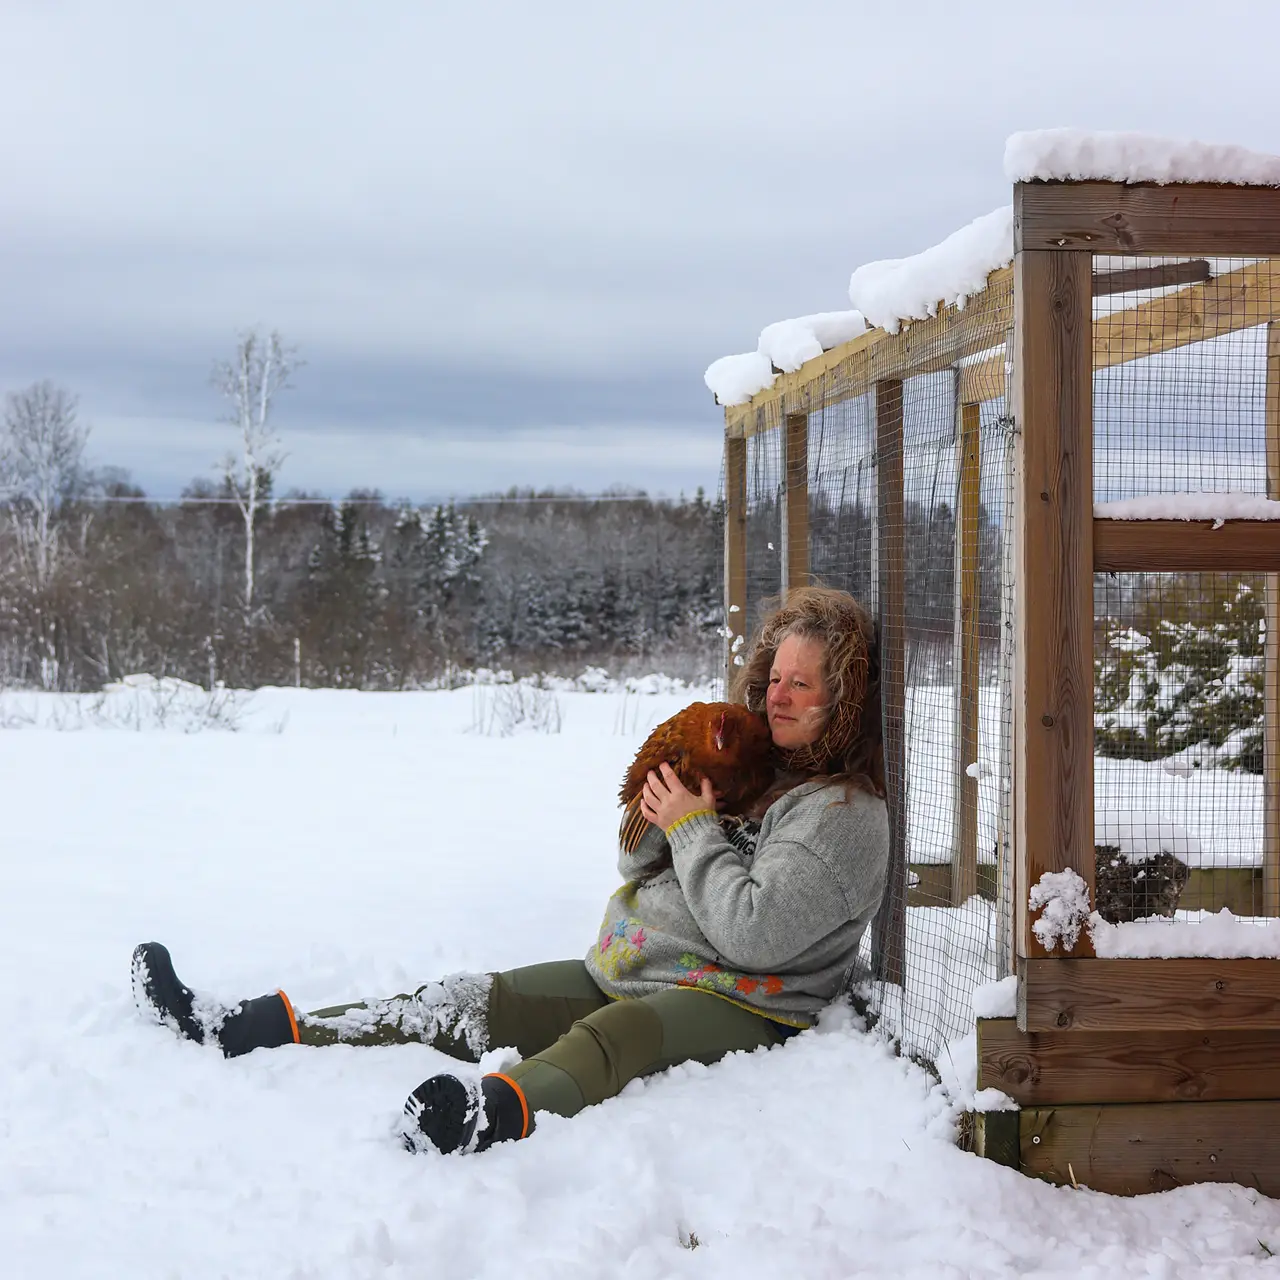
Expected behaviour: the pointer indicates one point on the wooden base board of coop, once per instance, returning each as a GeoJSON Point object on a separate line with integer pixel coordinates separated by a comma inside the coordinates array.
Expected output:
{"type": "Point", "coordinates": [1133, 1149]}
{"type": "Point", "coordinates": [1050, 1068]}
{"type": "Point", "coordinates": [1141, 996]}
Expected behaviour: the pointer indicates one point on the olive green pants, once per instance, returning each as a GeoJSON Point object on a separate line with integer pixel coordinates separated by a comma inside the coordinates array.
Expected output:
{"type": "Point", "coordinates": [577, 1046]}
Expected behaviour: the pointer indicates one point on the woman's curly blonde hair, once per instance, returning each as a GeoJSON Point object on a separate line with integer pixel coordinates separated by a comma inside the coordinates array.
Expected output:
{"type": "Point", "coordinates": [851, 746]}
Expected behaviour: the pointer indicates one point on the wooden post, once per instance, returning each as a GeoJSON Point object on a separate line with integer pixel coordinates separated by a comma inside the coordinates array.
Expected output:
{"type": "Point", "coordinates": [1006, 914]}
{"type": "Point", "coordinates": [964, 854]}
{"type": "Point", "coordinates": [1053, 669]}
{"type": "Point", "coordinates": [735, 552]}
{"type": "Point", "coordinates": [889, 932]}
{"type": "Point", "coordinates": [1271, 658]}
{"type": "Point", "coordinates": [795, 501]}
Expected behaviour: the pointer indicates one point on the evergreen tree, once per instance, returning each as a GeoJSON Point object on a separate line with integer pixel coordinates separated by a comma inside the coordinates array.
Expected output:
{"type": "Point", "coordinates": [1178, 683]}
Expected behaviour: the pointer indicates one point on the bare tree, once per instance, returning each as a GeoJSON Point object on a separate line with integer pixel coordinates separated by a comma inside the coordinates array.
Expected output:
{"type": "Point", "coordinates": [260, 370]}
{"type": "Point", "coordinates": [41, 462]}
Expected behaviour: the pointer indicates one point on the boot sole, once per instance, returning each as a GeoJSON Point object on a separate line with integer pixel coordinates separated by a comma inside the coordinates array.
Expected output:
{"type": "Point", "coordinates": [441, 1114]}
{"type": "Point", "coordinates": [159, 993]}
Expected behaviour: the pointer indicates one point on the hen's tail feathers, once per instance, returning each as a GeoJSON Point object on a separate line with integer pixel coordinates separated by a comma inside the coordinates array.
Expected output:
{"type": "Point", "coordinates": [633, 824]}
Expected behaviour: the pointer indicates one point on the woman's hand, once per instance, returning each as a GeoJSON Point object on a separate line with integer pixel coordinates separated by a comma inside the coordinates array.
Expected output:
{"type": "Point", "coordinates": [665, 799]}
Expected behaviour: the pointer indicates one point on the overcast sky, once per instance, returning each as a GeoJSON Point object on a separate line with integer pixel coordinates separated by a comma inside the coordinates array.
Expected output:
{"type": "Point", "coordinates": [506, 237]}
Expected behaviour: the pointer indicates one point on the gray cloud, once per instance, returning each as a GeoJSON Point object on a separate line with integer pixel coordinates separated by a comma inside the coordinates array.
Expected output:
{"type": "Point", "coordinates": [489, 224]}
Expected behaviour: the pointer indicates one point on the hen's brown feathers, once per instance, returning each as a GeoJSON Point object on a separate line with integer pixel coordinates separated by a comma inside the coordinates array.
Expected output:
{"type": "Point", "coordinates": [722, 741]}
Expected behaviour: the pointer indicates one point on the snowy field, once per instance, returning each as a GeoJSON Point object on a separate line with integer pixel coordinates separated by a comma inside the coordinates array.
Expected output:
{"type": "Point", "coordinates": [1221, 811]}
{"type": "Point", "coordinates": [348, 844]}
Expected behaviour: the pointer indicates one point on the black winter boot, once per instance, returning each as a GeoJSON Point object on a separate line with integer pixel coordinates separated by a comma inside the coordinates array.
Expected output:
{"type": "Point", "coordinates": [444, 1113]}
{"type": "Point", "coordinates": [262, 1023]}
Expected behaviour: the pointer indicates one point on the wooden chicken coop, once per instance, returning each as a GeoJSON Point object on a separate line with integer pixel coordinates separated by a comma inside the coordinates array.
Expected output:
{"type": "Point", "coordinates": [961, 473]}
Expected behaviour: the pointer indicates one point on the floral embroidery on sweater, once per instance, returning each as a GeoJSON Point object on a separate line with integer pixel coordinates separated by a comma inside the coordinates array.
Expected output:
{"type": "Point", "coordinates": [711, 977]}
{"type": "Point", "coordinates": [620, 948]}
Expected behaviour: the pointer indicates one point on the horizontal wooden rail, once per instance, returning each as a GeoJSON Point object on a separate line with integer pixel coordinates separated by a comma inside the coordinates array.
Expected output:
{"type": "Point", "coordinates": [1132, 1149]}
{"type": "Point", "coordinates": [1163, 276]}
{"type": "Point", "coordinates": [1147, 995]}
{"type": "Point", "coordinates": [1175, 219]}
{"type": "Point", "coordinates": [1186, 546]}
{"type": "Point", "coordinates": [853, 368]}
{"type": "Point", "coordinates": [1239, 299]}
{"type": "Point", "coordinates": [1045, 1068]}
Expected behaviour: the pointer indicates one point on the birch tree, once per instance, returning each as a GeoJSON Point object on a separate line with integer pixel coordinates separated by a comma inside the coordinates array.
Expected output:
{"type": "Point", "coordinates": [41, 461]}
{"type": "Point", "coordinates": [250, 381]}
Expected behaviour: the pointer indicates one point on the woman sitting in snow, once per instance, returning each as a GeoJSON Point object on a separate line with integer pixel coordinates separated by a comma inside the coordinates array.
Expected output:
{"type": "Point", "coordinates": [710, 945]}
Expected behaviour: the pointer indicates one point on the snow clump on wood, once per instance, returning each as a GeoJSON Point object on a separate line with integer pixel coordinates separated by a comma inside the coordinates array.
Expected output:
{"type": "Point", "coordinates": [1062, 898]}
{"type": "Point", "coordinates": [898, 289]}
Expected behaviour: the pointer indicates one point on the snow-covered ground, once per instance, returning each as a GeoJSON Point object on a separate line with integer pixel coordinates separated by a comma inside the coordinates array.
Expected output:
{"type": "Point", "coordinates": [343, 844]}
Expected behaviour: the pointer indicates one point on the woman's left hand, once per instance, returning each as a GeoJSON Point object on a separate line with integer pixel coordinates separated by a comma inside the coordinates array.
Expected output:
{"type": "Point", "coordinates": [665, 799]}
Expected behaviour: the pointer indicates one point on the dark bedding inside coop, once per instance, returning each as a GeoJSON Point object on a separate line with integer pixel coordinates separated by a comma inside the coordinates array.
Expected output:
{"type": "Point", "coordinates": [1129, 889]}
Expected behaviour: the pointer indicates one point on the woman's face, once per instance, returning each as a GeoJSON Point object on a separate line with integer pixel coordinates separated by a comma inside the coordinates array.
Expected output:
{"type": "Point", "coordinates": [796, 704]}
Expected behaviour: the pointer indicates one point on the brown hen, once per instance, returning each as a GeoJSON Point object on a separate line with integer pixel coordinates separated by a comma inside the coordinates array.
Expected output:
{"type": "Point", "coordinates": [722, 741]}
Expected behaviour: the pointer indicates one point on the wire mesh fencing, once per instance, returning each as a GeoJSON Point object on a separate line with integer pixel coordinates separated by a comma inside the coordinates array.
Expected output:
{"type": "Point", "coordinates": [907, 505]}
{"type": "Point", "coordinates": [1179, 731]}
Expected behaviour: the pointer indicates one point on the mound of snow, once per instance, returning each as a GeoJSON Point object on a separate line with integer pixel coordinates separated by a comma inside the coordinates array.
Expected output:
{"type": "Point", "coordinates": [898, 289]}
{"type": "Point", "coordinates": [1078, 155]}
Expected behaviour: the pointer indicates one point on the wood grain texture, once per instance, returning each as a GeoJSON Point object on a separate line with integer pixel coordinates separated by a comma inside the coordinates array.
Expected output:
{"type": "Point", "coordinates": [853, 368]}
{"type": "Point", "coordinates": [1191, 994]}
{"type": "Point", "coordinates": [1271, 650]}
{"type": "Point", "coordinates": [1179, 219]}
{"type": "Point", "coordinates": [1131, 1149]}
{"type": "Point", "coordinates": [795, 501]}
{"type": "Point", "coordinates": [1185, 546]}
{"type": "Point", "coordinates": [996, 1137]}
{"type": "Point", "coordinates": [889, 930]}
{"type": "Point", "coordinates": [735, 548]}
{"type": "Point", "coordinates": [1233, 301]}
{"type": "Point", "coordinates": [1043, 1068]}
{"type": "Point", "coordinates": [1239, 299]}
{"type": "Point", "coordinates": [964, 858]}
{"type": "Point", "coordinates": [1163, 276]}
{"type": "Point", "coordinates": [1053, 668]}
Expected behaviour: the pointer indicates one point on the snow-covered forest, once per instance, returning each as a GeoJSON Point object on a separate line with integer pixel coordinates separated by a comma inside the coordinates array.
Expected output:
{"type": "Point", "coordinates": [97, 581]}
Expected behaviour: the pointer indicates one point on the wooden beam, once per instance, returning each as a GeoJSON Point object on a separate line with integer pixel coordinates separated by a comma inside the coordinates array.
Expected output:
{"type": "Point", "coordinates": [1186, 546]}
{"type": "Point", "coordinates": [853, 368]}
{"type": "Point", "coordinates": [889, 930]}
{"type": "Point", "coordinates": [996, 1137]}
{"type": "Point", "coordinates": [1133, 1149]}
{"type": "Point", "coordinates": [1176, 219]}
{"type": "Point", "coordinates": [1148, 995]}
{"type": "Point", "coordinates": [1047, 1068]}
{"type": "Point", "coordinates": [735, 552]}
{"type": "Point", "coordinates": [964, 878]}
{"type": "Point", "coordinates": [1237, 300]}
{"type": "Point", "coordinates": [1227, 303]}
{"type": "Point", "coordinates": [795, 501]}
{"type": "Point", "coordinates": [1162, 276]}
{"type": "Point", "coordinates": [1007, 913]}
{"type": "Point", "coordinates": [1271, 650]}
{"type": "Point", "coordinates": [1053, 669]}
{"type": "Point", "coordinates": [983, 380]}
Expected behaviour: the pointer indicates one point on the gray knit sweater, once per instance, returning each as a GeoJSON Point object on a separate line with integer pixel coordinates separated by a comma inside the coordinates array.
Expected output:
{"type": "Point", "coordinates": [770, 920]}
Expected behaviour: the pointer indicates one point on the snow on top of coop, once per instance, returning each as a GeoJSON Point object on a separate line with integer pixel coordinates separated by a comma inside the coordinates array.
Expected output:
{"type": "Point", "coordinates": [1077, 155]}
{"type": "Point", "coordinates": [897, 290]}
